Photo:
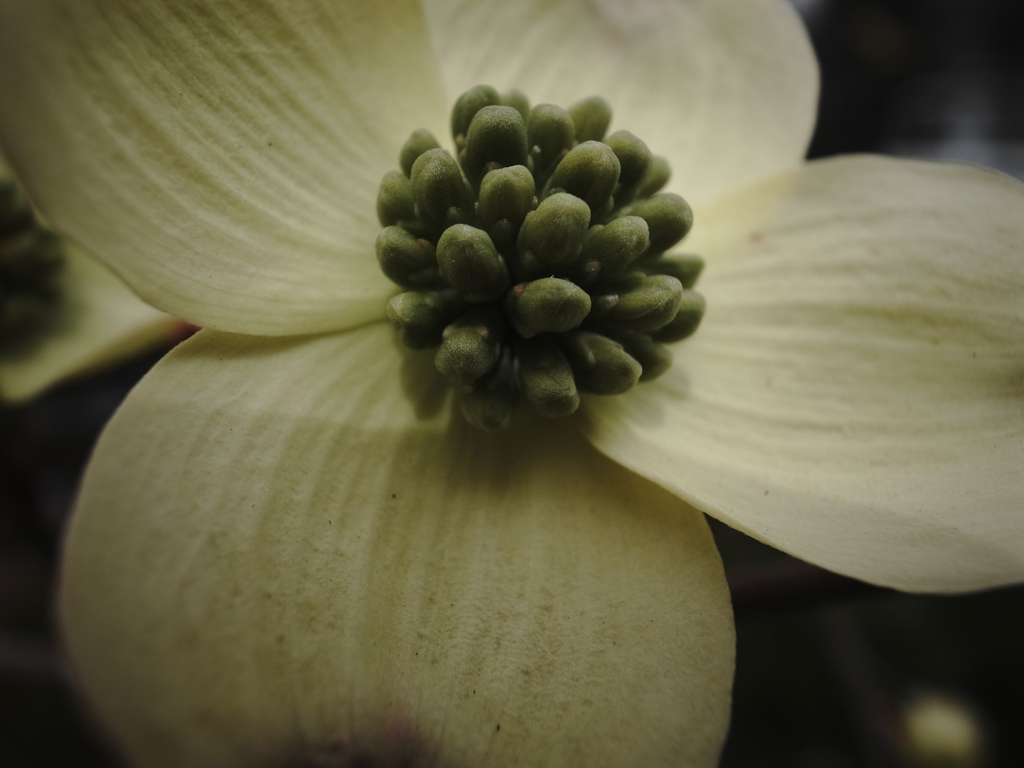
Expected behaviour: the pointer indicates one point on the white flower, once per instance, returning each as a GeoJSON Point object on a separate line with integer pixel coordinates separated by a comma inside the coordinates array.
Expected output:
{"type": "Point", "coordinates": [287, 552]}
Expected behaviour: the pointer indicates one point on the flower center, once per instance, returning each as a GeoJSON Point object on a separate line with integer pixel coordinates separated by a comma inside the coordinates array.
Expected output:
{"type": "Point", "coordinates": [535, 262]}
{"type": "Point", "coordinates": [30, 264]}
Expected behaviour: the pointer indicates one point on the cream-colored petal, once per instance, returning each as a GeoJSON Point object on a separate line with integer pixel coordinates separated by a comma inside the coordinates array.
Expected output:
{"type": "Point", "coordinates": [725, 89]}
{"type": "Point", "coordinates": [856, 394]}
{"type": "Point", "coordinates": [100, 322]}
{"type": "Point", "coordinates": [222, 157]}
{"type": "Point", "coordinates": [275, 560]}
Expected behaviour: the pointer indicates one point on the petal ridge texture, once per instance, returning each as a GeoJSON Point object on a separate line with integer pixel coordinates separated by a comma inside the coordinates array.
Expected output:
{"type": "Point", "coordinates": [223, 158]}
{"type": "Point", "coordinates": [856, 394]}
{"type": "Point", "coordinates": [301, 562]}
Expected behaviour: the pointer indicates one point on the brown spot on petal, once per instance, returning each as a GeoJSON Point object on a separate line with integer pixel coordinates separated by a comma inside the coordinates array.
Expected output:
{"type": "Point", "coordinates": [397, 745]}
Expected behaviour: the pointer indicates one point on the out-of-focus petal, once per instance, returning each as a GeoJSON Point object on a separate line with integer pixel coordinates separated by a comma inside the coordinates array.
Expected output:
{"type": "Point", "coordinates": [286, 551]}
{"type": "Point", "coordinates": [222, 157]}
{"type": "Point", "coordinates": [856, 394]}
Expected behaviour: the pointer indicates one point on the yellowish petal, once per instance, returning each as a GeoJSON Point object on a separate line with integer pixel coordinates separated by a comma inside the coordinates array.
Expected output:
{"type": "Point", "coordinates": [856, 394]}
{"type": "Point", "coordinates": [275, 560]}
{"type": "Point", "coordinates": [222, 157]}
{"type": "Point", "coordinates": [725, 89]}
{"type": "Point", "coordinates": [100, 322]}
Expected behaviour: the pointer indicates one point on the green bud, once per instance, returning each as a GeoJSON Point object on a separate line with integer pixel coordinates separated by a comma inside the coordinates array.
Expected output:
{"type": "Point", "coordinates": [496, 139]}
{"type": "Point", "coordinates": [31, 259]}
{"type": "Point", "coordinates": [551, 135]}
{"type": "Point", "coordinates": [552, 234]}
{"type": "Point", "coordinates": [647, 304]}
{"type": "Point", "coordinates": [421, 141]}
{"type": "Point", "coordinates": [591, 117]}
{"type": "Point", "coordinates": [600, 365]}
{"type": "Point", "coordinates": [546, 378]}
{"type": "Point", "coordinates": [470, 346]}
{"type": "Point", "coordinates": [691, 311]}
{"type": "Point", "coordinates": [654, 358]}
{"type": "Point", "coordinates": [667, 215]}
{"type": "Point", "coordinates": [590, 171]}
{"type": "Point", "coordinates": [655, 177]}
{"type": "Point", "coordinates": [438, 188]}
{"type": "Point", "coordinates": [684, 268]}
{"type": "Point", "coordinates": [503, 234]}
{"type": "Point", "coordinates": [548, 305]}
{"type": "Point", "coordinates": [421, 317]}
{"type": "Point", "coordinates": [634, 158]}
{"type": "Point", "coordinates": [609, 249]}
{"type": "Point", "coordinates": [470, 263]}
{"type": "Point", "coordinates": [466, 107]}
{"type": "Point", "coordinates": [506, 193]}
{"type": "Point", "coordinates": [517, 100]}
{"type": "Point", "coordinates": [407, 259]}
{"type": "Point", "coordinates": [490, 402]}
{"type": "Point", "coordinates": [395, 201]}
{"type": "Point", "coordinates": [15, 212]}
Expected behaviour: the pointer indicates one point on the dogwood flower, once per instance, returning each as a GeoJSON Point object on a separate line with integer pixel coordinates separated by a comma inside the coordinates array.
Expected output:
{"type": "Point", "coordinates": [288, 551]}
{"type": "Point", "coordinates": [91, 319]}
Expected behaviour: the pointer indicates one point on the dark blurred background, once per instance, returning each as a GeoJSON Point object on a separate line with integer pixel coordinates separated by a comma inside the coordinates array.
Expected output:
{"type": "Point", "coordinates": [831, 673]}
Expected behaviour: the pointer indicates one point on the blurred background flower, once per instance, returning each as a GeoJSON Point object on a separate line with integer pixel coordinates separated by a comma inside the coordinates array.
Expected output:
{"type": "Point", "coordinates": [62, 314]}
{"type": "Point", "coordinates": [830, 673]}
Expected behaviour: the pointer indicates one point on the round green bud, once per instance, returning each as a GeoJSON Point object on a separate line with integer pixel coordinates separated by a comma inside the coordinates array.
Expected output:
{"type": "Point", "coordinates": [395, 201]}
{"type": "Point", "coordinates": [503, 234]}
{"type": "Point", "coordinates": [548, 305]}
{"type": "Point", "coordinates": [506, 193]}
{"type": "Point", "coordinates": [496, 139]}
{"type": "Point", "coordinates": [466, 107]}
{"type": "Point", "coordinates": [609, 249]}
{"type": "Point", "coordinates": [471, 345]}
{"type": "Point", "coordinates": [685, 268]}
{"type": "Point", "coordinates": [552, 234]}
{"type": "Point", "coordinates": [471, 264]}
{"type": "Point", "coordinates": [654, 358]}
{"type": "Point", "coordinates": [490, 402]}
{"type": "Point", "coordinates": [655, 177]}
{"type": "Point", "coordinates": [648, 303]}
{"type": "Point", "coordinates": [545, 377]}
{"type": "Point", "coordinates": [691, 311]}
{"type": "Point", "coordinates": [516, 99]}
{"type": "Point", "coordinates": [600, 364]}
{"type": "Point", "coordinates": [634, 158]}
{"type": "Point", "coordinates": [591, 117]}
{"type": "Point", "coordinates": [438, 187]}
{"type": "Point", "coordinates": [420, 317]}
{"type": "Point", "coordinates": [667, 215]}
{"type": "Point", "coordinates": [419, 142]}
{"type": "Point", "coordinates": [406, 259]}
{"type": "Point", "coordinates": [551, 135]}
{"type": "Point", "coordinates": [590, 172]}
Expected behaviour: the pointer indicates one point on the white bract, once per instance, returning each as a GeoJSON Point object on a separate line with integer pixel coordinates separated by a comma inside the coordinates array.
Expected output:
{"type": "Point", "coordinates": [287, 551]}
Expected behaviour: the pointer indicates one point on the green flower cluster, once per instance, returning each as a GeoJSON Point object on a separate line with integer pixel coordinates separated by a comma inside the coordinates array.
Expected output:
{"type": "Point", "coordinates": [30, 262]}
{"type": "Point", "coordinates": [535, 262]}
